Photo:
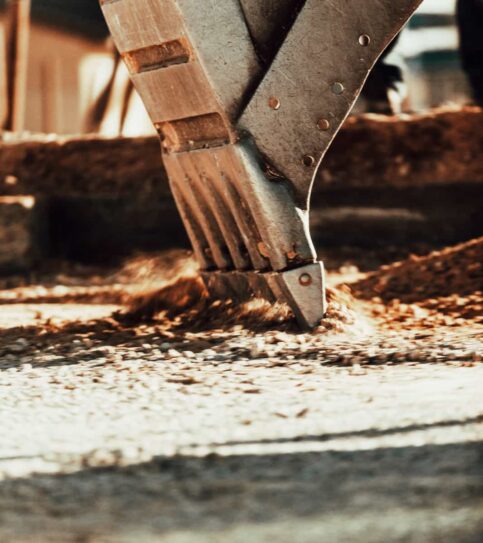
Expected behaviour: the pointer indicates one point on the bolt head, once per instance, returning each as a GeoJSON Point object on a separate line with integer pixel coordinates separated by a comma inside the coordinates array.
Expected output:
{"type": "Point", "coordinates": [338, 88]}
{"type": "Point", "coordinates": [263, 250]}
{"type": "Point", "coordinates": [323, 124]}
{"type": "Point", "coordinates": [305, 279]}
{"type": "Point", "coordinates": [308, 160]}
{"type": "Point", "coordinates": [274, 103]}
{"type": "Point", "coordinates": [364, 40]}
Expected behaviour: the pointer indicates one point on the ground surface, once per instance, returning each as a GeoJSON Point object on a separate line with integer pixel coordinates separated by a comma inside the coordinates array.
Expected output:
{"type": "Point", "coordinates": [225, 424]}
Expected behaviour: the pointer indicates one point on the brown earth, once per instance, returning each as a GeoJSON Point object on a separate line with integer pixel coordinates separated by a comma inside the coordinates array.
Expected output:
{"type": "Point", "coordinates": [443, 287]}
{"type": "Point", "coordinates": [134, 408]}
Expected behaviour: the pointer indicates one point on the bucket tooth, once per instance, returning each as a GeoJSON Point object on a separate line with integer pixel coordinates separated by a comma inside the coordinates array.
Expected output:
{"type": "Point", "coordinates": [195, 232]}
{"type": "Point", "coordinates": [200, 209]}
{"type": "Point", "coordinates": [303, 289]}
{"type": "Point", "coordinates": [260, 286]}
{"type": "Point", "coordinates": [228, 285]}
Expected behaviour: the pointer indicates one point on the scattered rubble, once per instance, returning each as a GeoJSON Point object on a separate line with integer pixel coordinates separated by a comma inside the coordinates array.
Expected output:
{"type": "Point", "coordinates": [444, 287]}
{"type": "Point", "coordinates": [174, 319]}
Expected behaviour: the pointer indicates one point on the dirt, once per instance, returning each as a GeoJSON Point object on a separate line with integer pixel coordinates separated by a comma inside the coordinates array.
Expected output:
{"type": "Point", "coordinates": [444, 287]}
{"type": "Point", "coordinates": [135, 408]}
{"type": "Point", "coordinates": [441, 288]}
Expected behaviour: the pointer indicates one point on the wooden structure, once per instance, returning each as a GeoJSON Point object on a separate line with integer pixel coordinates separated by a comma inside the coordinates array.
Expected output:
{"type": "Point", "coordinates": [17, 56]}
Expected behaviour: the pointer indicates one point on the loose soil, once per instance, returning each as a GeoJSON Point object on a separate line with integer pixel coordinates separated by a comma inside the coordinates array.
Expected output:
{"type": "Point", "coordinates": [134, 408]}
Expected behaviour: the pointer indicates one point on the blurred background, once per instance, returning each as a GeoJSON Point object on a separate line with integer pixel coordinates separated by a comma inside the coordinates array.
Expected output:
{"type": "Point", "coordinates": [75, 84]}
{"type": "Point", "coordinates": [70, 188]}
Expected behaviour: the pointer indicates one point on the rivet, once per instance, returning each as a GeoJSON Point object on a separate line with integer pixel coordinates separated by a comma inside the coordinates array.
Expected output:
{"type": "Point", "coordinates": [308, 160]}
{"type": "Point", "coordinates": [337, 88]}
{"type": "Point", "coordinates": [274, 102]}
{"type": "Point", "coordinates": [364, 40]}
{"type": "Point", "coordinates": [263, 250]}
{"type": "Point", "coordinates": [305, 280]}
{"type": "Point", "coordinates": [323, 124]}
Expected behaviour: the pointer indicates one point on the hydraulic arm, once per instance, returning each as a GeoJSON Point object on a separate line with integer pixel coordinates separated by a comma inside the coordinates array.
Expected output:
{"type": "Point", "coordinates": [247, 96]}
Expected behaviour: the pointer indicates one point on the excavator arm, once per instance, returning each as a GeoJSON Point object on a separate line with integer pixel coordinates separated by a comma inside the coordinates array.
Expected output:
{"type": "Point", "coordinates": [247, 96]}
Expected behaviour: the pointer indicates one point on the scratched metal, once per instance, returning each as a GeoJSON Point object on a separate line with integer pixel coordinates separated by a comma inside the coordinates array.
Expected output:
{"type": "Point", "coordinates": [219, 38]}
{"type": "Point", "coordinates": [248, 225]}
{"type": "Point", "coordinates": [318, 74]}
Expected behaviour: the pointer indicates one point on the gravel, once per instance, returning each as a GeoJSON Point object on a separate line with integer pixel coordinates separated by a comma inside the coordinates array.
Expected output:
{"type": "Point", "coordinates": [204, 421]}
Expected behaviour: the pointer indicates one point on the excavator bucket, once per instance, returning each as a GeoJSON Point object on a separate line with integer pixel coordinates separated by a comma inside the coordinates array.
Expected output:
{"type": "Point", "coordinates": [247, 96]}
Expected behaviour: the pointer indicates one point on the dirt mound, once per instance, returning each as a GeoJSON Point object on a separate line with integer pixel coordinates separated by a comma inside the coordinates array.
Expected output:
{"type": "Point", "coordinates": [442, 288]}
{"type": "Point", "coordinates": [448, 282]}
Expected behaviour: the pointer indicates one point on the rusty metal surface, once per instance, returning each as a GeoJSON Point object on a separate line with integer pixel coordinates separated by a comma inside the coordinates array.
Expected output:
{"type": "Point", "coordinates": [241, 155]}
{"type": "Point", "coordinates": [223, 61]}
{"type": "Point", "coordinates": [303, 289]}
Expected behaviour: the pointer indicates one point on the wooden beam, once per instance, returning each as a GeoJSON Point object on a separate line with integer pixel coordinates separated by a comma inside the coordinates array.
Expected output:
{"type": "Point", "coordinates": [18, 30]}
{"type": "Point", "coordinates": [3, 79]}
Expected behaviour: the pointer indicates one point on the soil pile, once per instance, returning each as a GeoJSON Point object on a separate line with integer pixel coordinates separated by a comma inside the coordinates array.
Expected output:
{"type": "Point", "coordinates": [443, 288]}
{"type": "Point", "coordinates": [446, 284]}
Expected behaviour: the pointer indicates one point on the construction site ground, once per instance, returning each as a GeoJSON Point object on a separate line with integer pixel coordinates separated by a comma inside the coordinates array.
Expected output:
{"type": "Point", "coordinates": [135, 409]}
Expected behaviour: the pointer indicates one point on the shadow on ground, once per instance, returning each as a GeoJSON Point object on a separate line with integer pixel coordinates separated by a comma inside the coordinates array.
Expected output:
{"type": "Point", "coordinates": [419, 494]}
